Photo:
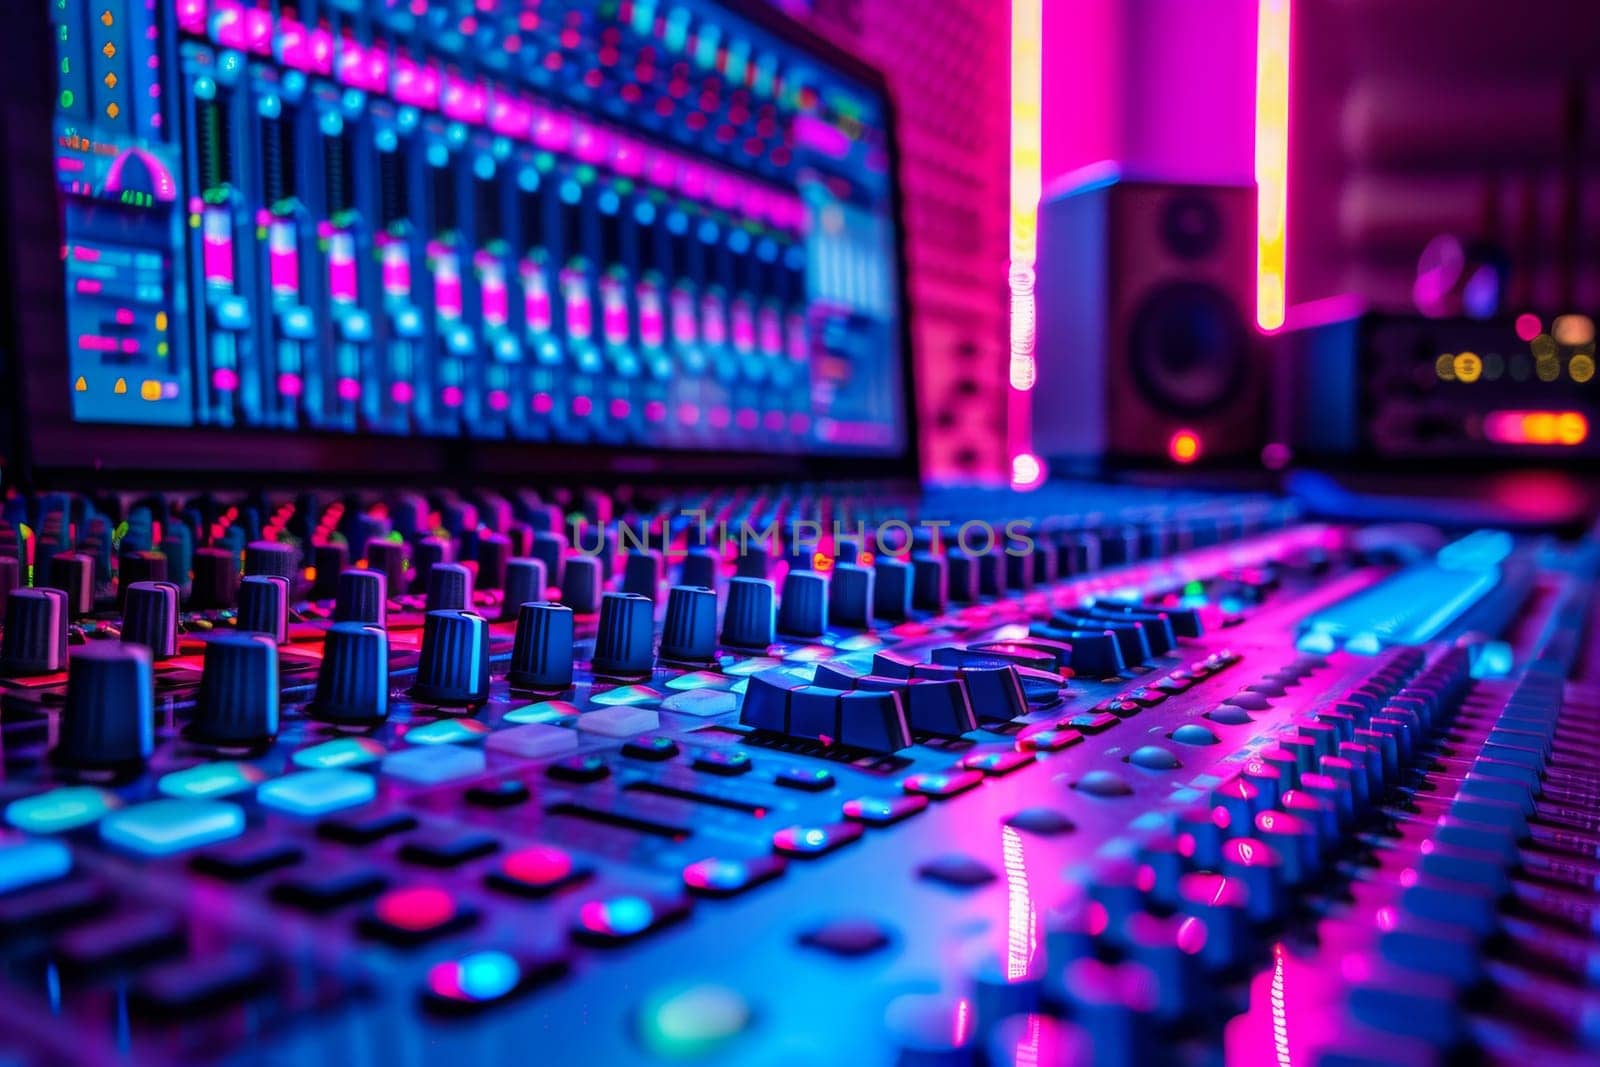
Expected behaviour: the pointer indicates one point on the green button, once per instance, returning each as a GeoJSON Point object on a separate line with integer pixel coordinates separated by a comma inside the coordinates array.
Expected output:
{"type": "Point", "coordinates": [210, 780]}
{"type": "Point", "coordinates": [688, 1022]}
{"type": "Point", "coordinates": [60, 809]}
{"type": "Point", "coordinates": [344, 752]}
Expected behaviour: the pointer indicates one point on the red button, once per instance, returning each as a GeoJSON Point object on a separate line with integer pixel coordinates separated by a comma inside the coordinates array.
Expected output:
{"type": "Point", "coordinates": [416, 909]}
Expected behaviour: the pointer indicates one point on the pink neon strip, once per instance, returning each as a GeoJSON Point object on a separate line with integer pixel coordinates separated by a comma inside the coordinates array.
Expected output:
{"type": "Point", "coordinates": [86, 255]}
{"type": "Point", "coordinates": [465, 101]}
{"type": "Point", "coordinates": [819, 136]}
{"type": "Point", "coordinates": [416, 83]}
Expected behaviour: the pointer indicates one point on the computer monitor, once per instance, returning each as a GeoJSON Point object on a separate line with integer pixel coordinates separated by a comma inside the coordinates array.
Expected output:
{"type": "Point", "coordinates": [442, 236]}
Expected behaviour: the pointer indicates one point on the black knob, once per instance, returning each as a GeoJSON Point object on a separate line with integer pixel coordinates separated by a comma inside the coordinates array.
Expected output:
{"type": "Point", "coordinates": [748, 622]}
{"type": "Point", "coordinates": [526, 582]}
{"type": "Point", "coordinates": [891, 595]}
{"type": "Point", "coordinates": [803, 611]}
{"type": "Point", "coordinates": [622, 641]}
{"type": "Point", "coordinates": [328, 561]}
{"type": "Point", "coordinates": [353, 680]}
{"type": "Point", "coordinates": [389, 558]}
{"type": "Point", "coordinates": [755, 561]}
{"type": "Point", "coordinates": [689, 632]}
{"type": "Point", "coordinates": [580, 585]}
{"type": "Point", "coordinates": [269, 558]}
{"type": "Point", "coordinates": [699, 569]}
{"type": "Point", "coordinates": [216, 580]}
{"type": "Point", "coordinates": [108, 719]}
{"type": "Point", "coordinates": [73, 572]}
{"type": "Point", "coordinates": [264, 606]}
{"type": "Point", "coordinates": [431, 551]}
{"type": "Point", "coordinates": [930, 583]}
{"type": "Point", "coordinates": [550, 547]}
{"type": "Point", "coordinates": [541, 656]}
{"type": "Point", "coordinates": [494, 552]}
{"type": "Point", "coordinates": [177, 544]}
{"type": "Point", "coordinates": [454, 665]}
{"type": "Point", "coordinates": [135, 567]}
{"type": "Point", "coordinates": [36, 632]}
{"type": "Point", "coordinates": [362, 596]}
{"type": "Point", "coordinates": [850, 595]}
{"type": "Point", "coordinates": [238, 699]}
{"type": "Point", "coordinates": [449, 587]}
{"type": "Point", "coordinates": [641, 573]}
{"type": "Point", "coordinates": [150, 618]}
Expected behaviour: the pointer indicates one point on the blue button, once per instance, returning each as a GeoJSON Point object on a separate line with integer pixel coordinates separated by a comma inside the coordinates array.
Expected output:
{"type": "Point", "coordinates": [210, 780]}
{"type": "Point", "coordinates": [344, 752]}
{"type": "Point", "coordinates": [60, 809]}
{"type": "Point", "coordinates": [25, 863]}
{"type": "Point", "coordinates": [318, 792]}
{"type": "Point", "coordinates": [440, 763]}
{"type": "Point", "coordinates": [446, 732]}
{"type": "Point", "coordinates": [627, 695]}
{"type": "Point", "coordinates": [162, 827]}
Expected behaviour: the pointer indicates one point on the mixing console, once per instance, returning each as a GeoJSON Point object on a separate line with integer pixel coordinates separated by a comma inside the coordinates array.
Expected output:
{"type": "Point", "coordinates": [793, 776]}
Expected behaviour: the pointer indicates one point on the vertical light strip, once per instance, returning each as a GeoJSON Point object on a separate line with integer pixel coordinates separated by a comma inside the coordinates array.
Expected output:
{"type": "Point", "coordinates": [1027, 75]}
{"type": "Point", "coordinates": [1272, 161]}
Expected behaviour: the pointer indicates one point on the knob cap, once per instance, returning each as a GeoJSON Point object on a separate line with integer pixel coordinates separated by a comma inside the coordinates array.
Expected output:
{"type": "Point", "coordinates": [353, 681]}
{"type": "Point", "coordinates": [803, 611]}
{"type": "Point", "coordinates": [150, 618]}
{"type": "Point", "coordinates": [108, 719]}
{"type": "Point", "coordinates": [389, 558]}
{"type": "Point", "coordinates": [449, 587]}
{"type": "Point", "coordinates": [238, 699]}
{"type": "Point", "coordinates": [494, 553]}
{"type": "Point", "coordinates": [264, 606]}
{"type": "Point", "coordinates": [699, 569]}
{"type": "Point", "coordinates": [754, 562]}
{"type": "Point", "coordinates": [36, 632]}
{"type": "Point", "coordinates": [850, 595]}
{"type": "Point", "coordinates": [541, 656]}
{"type": "Point", "coordinates": [930, 583]}
{"type": "Point", "coordinates": [270, 558]}
{"type": "Point", "coordinates": [329, 561]}
{"type": "Point", "coordinates": [748, 620]}
{"type": "Point", "coordinates": [177, 544]}
{"type": "Point", "coordinates": [550, 546]}
{"type": "Point", "coordinates": [689, 632]}
{"type": "Point", "coordinates": [526, 581]}
{"type": "Point", "coordinates": [454, 665]}
{"type": "Point", "coordinates": [216, 579]}
{"type": "Point", "coordinates": [641, 573]}
{"type": "Point", "coordinates": [622, 642]}
{"type": "Point", "coordinates": [431, 551]}
{"type": "Point", "coordinates": [580, 585]}
{"type": "Point", "coordinates": [73, 572]}
{"type": "Point", "coordinates": [891, 595]}
{"type": "Point", "coordinates": [362, 596]}
{"type": "Point", "coordinates": [134, 567]}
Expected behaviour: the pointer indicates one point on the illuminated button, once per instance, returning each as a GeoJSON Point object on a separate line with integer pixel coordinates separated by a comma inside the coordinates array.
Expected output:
{"type": "Point", "coordinates": [318, 792]}
{"type": "Point", "coordinates": [533, 741]}
{"type": "Point", "coordinates": [1050, 739]}
{"type": "Point", "coordinates": [881, 811]}
{"type": "Point", "coordinates": [699, 680]}
{"type": "Point", "coordinates": [342, 752]}
{"type": "Point", "coordinates": [589, 768]}
{"type": "Point", "coordinates": [434, 764]}
{"type": "Point", "coordinates": [61, 809]}
{"type": "Point", "coordinates": [628, 695]}
{"type": "Point", "coordinates": [550, 712]}
{"type": "Point", "coordinates": [702, 703]}
{"type": "Point", "coordinates": [24, 863]}
{"type": "Point", "coordinates": [162, 827]}
{"type": "Point", "coordinates": [808, 779]}
{"type": "Point", "coordinates": [808, 841]}
{"type": "Point", "coordinates": [502, 794]}
{"type": "Point", "coordinates": [618, 919]}
{"type": "Point", "coordinates": [620, 721]}
{"type": "Point", "coordinates": [537, 871]}
{"type": "Point", "coordinates": [446, 732]}
{"type": "Point", "coordinates": [725, 877]}
{"type": "Point", "coordinates": [996, 763]}
{"type": "Point", "coordinates": [482, 979]}
{"type": "Point", "coordinates": [941, 784]}
{"type": "Point", "coordinates": [1090, 722]}
{"type": "Point", "coordinates": [210, 780]}
{"type": "Point", "coordinates": [691, 1022]}
{"type": "Point", "coordinates": [726, 762]}
{"type": "Point", "coordinates": [414, 914]}
{"type": "Point", "coordinates": [653, 749]}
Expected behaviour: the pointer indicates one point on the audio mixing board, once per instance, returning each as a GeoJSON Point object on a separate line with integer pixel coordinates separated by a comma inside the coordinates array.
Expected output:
{"type": "Point", "coordinates": [1147, 778]}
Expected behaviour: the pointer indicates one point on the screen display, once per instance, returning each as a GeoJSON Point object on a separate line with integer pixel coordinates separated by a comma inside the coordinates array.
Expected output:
{"type": "Point", "coordinates": [623, 222]}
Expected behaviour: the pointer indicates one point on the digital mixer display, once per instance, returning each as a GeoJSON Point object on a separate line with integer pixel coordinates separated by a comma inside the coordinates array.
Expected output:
{"type": "Point", "coordinates": [625, 223]}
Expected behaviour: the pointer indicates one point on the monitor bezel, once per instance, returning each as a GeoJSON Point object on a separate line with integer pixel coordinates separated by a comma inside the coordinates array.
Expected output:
{"type": "Point", "coordinates": [50, 449]}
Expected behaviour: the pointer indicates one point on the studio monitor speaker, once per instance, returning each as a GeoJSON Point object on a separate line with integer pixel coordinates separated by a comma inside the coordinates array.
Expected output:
{"type": "Point", "coordinates": [1147, 348]}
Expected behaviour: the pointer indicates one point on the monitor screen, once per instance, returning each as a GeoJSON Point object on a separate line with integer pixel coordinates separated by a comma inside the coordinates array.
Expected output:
{"type": "Point", "coordinates": [657, 224]}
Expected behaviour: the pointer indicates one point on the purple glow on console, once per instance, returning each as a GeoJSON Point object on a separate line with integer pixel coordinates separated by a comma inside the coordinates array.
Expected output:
{"type": "Point", "coordinates": [416, 83]}
{"type": "Point", "coordinates": [466, 101]}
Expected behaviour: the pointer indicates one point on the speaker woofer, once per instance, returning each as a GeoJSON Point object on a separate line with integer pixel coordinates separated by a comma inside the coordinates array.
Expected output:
{"type": "Point", "coordinates": [1188, 348]}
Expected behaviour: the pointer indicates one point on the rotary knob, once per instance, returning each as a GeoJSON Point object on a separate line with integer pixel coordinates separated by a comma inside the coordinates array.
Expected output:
{"type": "Point", "coordinates": [36, 632]}
{"type": "Point", "coordinates": [108, 719]}
{"type": "Point", "coordinates": [353, 680]}
{"type": "Point", "coordinates": [689, 632]}
{"type": "Point", "coordinates": [454, 664]}
{"type": "Point", "coordinates": [803, 611]}
{"type": "Point", "coordinates": [150, 618]}
{"type": "Point", "coordinates": [748, 621]}
{"type": "Point", "coordinates": [526, 581]}
{"type": "Point", "coordinates": [541, 656]}
{"type": "Point", "coordinates": [237, 703]}
{"type": "Point", "coordinates": [623, 637]}
{"type": "Point", "coordinates": [363, 597]}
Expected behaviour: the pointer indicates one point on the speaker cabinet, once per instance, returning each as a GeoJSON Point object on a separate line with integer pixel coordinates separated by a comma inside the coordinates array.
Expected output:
{"type": "Point", "coordinates": [1146, 325]}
